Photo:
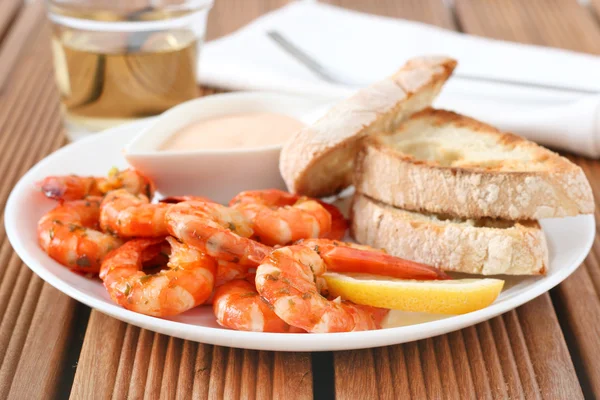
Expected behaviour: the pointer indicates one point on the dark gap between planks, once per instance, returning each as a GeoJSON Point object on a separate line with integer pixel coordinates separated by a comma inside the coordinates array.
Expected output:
{"type": "Point", "coordinates": [458, 26]}
{"type": "Point", "coordinates": [75, 342]}
{"type": "Point", "coordinates": [4, 30]}
{"type": "Point", "coordinates": [592, 9]}
{"type": "Point", "coordinates": [574, 351]}
{"type": "Point", "coordinates": [323, 375]}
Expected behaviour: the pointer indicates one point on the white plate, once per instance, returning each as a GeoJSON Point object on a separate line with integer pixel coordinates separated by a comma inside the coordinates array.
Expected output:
{"type": "Point", "coordinates": [569, 239]}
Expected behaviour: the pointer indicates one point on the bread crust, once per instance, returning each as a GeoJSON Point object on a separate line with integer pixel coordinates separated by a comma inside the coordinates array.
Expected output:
{"type": "Point", "coordinates": [515, 248]}
{"type": "Point", "coordinates": [318, 160]}
{"type": "Point", "coordinates": [559, 189]}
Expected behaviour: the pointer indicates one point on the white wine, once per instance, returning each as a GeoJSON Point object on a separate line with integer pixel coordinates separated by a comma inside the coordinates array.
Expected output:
{"type": "Point", "coordinates": [96, 84]}
{"type": "Point", "coordinates": [106, 78]}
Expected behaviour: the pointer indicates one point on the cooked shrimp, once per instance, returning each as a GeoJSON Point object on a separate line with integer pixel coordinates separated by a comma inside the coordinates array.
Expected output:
{"type": "Point", "coordinates": [73, 187]}
{"type": "Point", "coordinates": [129, 179]}
{"type": "Point", "coordinates": [186, 284]}
{"type": "Point", "coordinates": [286, 280]}
{"type": "Point", "coordinates": [280, 218]}
{"type": "Point", "coordinates": [237, 305]}
{"type": "Point", "coordinates": [216, 230]}
{"type": "Point", "coordinates": [351, 257]}
{"type": "Point", "coordinates": [228, 271]}
{"type": "Point", "coordinates": [339, 224]}
{"type": "Point", "coordinates": [130, 215]}
{"type": "Point", "coordinates": [70, 187]}
{"type": "Point", "coordinates": [68, 234]}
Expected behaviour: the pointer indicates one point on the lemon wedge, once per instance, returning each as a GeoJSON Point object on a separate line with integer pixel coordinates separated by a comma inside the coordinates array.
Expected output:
{"type": "Point", "coordinates": [458, 296]}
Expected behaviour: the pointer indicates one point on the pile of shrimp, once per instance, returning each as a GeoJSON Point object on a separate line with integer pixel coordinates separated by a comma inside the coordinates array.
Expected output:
{"type": "Point", "coordinates": [258, 261]}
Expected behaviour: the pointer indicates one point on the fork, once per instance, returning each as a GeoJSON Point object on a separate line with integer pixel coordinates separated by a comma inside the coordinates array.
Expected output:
{"type": "Point", "coordinates": [327, 75]}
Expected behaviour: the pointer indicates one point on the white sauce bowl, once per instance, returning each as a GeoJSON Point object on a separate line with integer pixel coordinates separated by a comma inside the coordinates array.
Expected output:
{"type": "Point", "coordinates": [217, 174]}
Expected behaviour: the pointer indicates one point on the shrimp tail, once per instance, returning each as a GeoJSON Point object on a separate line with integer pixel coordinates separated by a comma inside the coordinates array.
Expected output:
{"type": "Point", "coordinates": [68, 188]}
{"type": "Point", "coordinates": [348, 259]}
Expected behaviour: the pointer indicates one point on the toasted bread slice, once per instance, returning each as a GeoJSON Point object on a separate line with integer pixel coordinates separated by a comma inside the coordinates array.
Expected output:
{"type": "Point", "coordinates": [318, 160]}
{"type": "Point", "coordinates": [484, 246]}
{"type": "Point", "coordinates": [442, 162]}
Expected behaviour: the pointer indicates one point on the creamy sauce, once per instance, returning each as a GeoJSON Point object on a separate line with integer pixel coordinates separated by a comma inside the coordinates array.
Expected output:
{"type": "Point", "coordinates": [234, 131]}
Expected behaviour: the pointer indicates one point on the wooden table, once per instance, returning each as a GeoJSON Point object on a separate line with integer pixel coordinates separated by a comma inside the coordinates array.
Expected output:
{"type": "Point", "coordinates": [52, 346]}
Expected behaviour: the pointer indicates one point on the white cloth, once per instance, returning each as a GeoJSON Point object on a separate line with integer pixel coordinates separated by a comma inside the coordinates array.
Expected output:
{"type": "Point", "coordinates": [362, 48]}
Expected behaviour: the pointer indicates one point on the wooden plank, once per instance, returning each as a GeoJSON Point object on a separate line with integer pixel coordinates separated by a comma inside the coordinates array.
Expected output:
{"type": "Point", "coordinates": [126, 362]}
{"type": "Point", "coordinates": [10, 49]}
{"type": "Point", "coordinates": [595, 7]}
{"type": "Point", "coordinates": [556, 23]}
{"type": "Point", "coordinates": [429, 11]}
{"type": "Point", "coordinates": [10, 9]}
{"type": "Point", "coordinates": [356, 369]}
{"type": "Point", "coordinates": [448, 379]}
{"type": "Point", "coordinates": [460, 365]}
{"type": "Point", "coordinates": [148, 365]}
{"type": "Point", "coordinates": [565, 24]}
{"type": "Point", "coordinates": [144, 364]}
{"type": "Point", "coordinates": [520, 352]}
{"type": "Point", "coordinates": [169, 380]}
{"type": "Point", "coordinates": [493, 368]}
{"type": "Point", "coordinates": [430, 369]}
{"type": "Point", "coordinates": [99, 353]}
{"type": "Point", "coordinates": [548, 351]}
{"type": "Point", "coordinates": [405, 382]}
{"type": "Point", "coordinates": [228, 16]}
{"type": "Point", "coordinates": [137, 363]}
{"type": "Point", "coordinates": [202, 370]}
{"type": "Point", "coordinates": [506, 357]}
{"type": "Point", "coordinates": [35, 319]}
{"type": "Point", "coordinates": [475, 355]}
{"type": "Point", "coordinates": [45, 346]}
{"type": "Point", "coordinates": [292, 376]}
{"type": "Point", "coordinates": [496, 331]}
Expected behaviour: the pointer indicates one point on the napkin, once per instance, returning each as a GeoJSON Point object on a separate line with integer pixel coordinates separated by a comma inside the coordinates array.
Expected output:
{"type": "Point", "coordinates": [361, 48]}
